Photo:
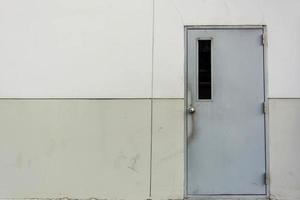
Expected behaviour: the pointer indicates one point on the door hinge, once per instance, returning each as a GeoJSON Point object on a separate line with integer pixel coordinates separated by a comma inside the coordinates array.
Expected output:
{"type": "Point", "coordinates": [265, 108]}
{"type": "Point", "coordinates": [264, 39]}
{"type": "Point", "coordinates": [266, 179]}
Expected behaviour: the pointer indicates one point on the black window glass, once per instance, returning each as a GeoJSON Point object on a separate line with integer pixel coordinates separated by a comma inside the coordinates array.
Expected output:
{"type": "Point", "coordinates": [204, 69]}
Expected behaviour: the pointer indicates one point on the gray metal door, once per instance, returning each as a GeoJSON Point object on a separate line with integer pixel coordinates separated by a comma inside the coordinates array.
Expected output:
{"type": "Point", "coordinates": [225, 120]}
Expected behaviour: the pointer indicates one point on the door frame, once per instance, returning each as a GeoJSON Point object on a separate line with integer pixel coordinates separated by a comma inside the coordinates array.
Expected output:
{"type": "Point", "coordinates": [266, 115]}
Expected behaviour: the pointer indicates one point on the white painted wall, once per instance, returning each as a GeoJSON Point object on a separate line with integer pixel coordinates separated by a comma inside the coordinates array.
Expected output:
{"type": "Point", "coordinates": [75, 48]}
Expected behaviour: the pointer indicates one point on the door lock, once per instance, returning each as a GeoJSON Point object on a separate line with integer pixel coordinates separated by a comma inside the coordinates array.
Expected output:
{"type": "Point", "coordinates": [191, 110]}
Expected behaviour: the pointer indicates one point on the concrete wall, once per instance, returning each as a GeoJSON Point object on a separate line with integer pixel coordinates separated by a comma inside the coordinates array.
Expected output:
{"type": "Point", "coordinates": [131, 145]}
{"type": "Point", "coordinates": [284, 148]}
{"type": "Point", "coordinates": [91, 149]}
{"type": "Point", "coordinates": [76, 48]}
{"type": "Point", "coordinates": [75, 148]}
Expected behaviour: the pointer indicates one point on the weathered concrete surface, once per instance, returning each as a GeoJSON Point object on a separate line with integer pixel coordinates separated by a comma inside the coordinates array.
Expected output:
{"type": "Point", "coordinates": [101, 149]}
{"type": "Point", "coordinates": [75, 149]}
{"type": "Point", "coordinates": [285, 148]}
{"type": "Point", "coordinates": [168, 149]}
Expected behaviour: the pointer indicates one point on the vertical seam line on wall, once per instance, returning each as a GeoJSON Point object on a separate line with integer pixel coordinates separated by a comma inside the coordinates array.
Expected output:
{"type": "Point", "coordinates": [152, 72]}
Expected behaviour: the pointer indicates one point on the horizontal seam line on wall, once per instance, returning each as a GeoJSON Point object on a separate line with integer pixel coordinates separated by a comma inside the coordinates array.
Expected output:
{"type": "Point", "coordinates": [38, 98]}
{"type": "Point", "coordinates": [88, 98]}
{"type": "Point", "coordinates": [284, 98]}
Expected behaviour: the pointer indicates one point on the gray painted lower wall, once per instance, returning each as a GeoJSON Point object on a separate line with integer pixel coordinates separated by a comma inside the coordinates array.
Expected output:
{"type": "Point", "coordinates": [75, 148]}
{"type": "Point", "coordinates": [102, 149]}
{"type": "Point", "coordinates": [284, 148]}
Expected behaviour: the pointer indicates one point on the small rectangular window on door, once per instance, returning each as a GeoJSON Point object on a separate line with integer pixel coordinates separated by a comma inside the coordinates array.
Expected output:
{"type": "Point", "coordinates": [204, 70]}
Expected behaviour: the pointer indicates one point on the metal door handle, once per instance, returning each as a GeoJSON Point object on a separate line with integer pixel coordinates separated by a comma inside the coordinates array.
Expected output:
{"type": "Point", "coordinates": [191, 110]}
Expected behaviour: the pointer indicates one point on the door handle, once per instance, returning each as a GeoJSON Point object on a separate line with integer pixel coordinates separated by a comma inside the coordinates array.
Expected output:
{"type": "Point", "coordinates": [191, 110]}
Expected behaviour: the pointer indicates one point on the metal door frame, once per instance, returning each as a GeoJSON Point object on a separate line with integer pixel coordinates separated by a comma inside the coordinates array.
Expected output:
{"type": "Point", "coordinates": [266, 115]}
